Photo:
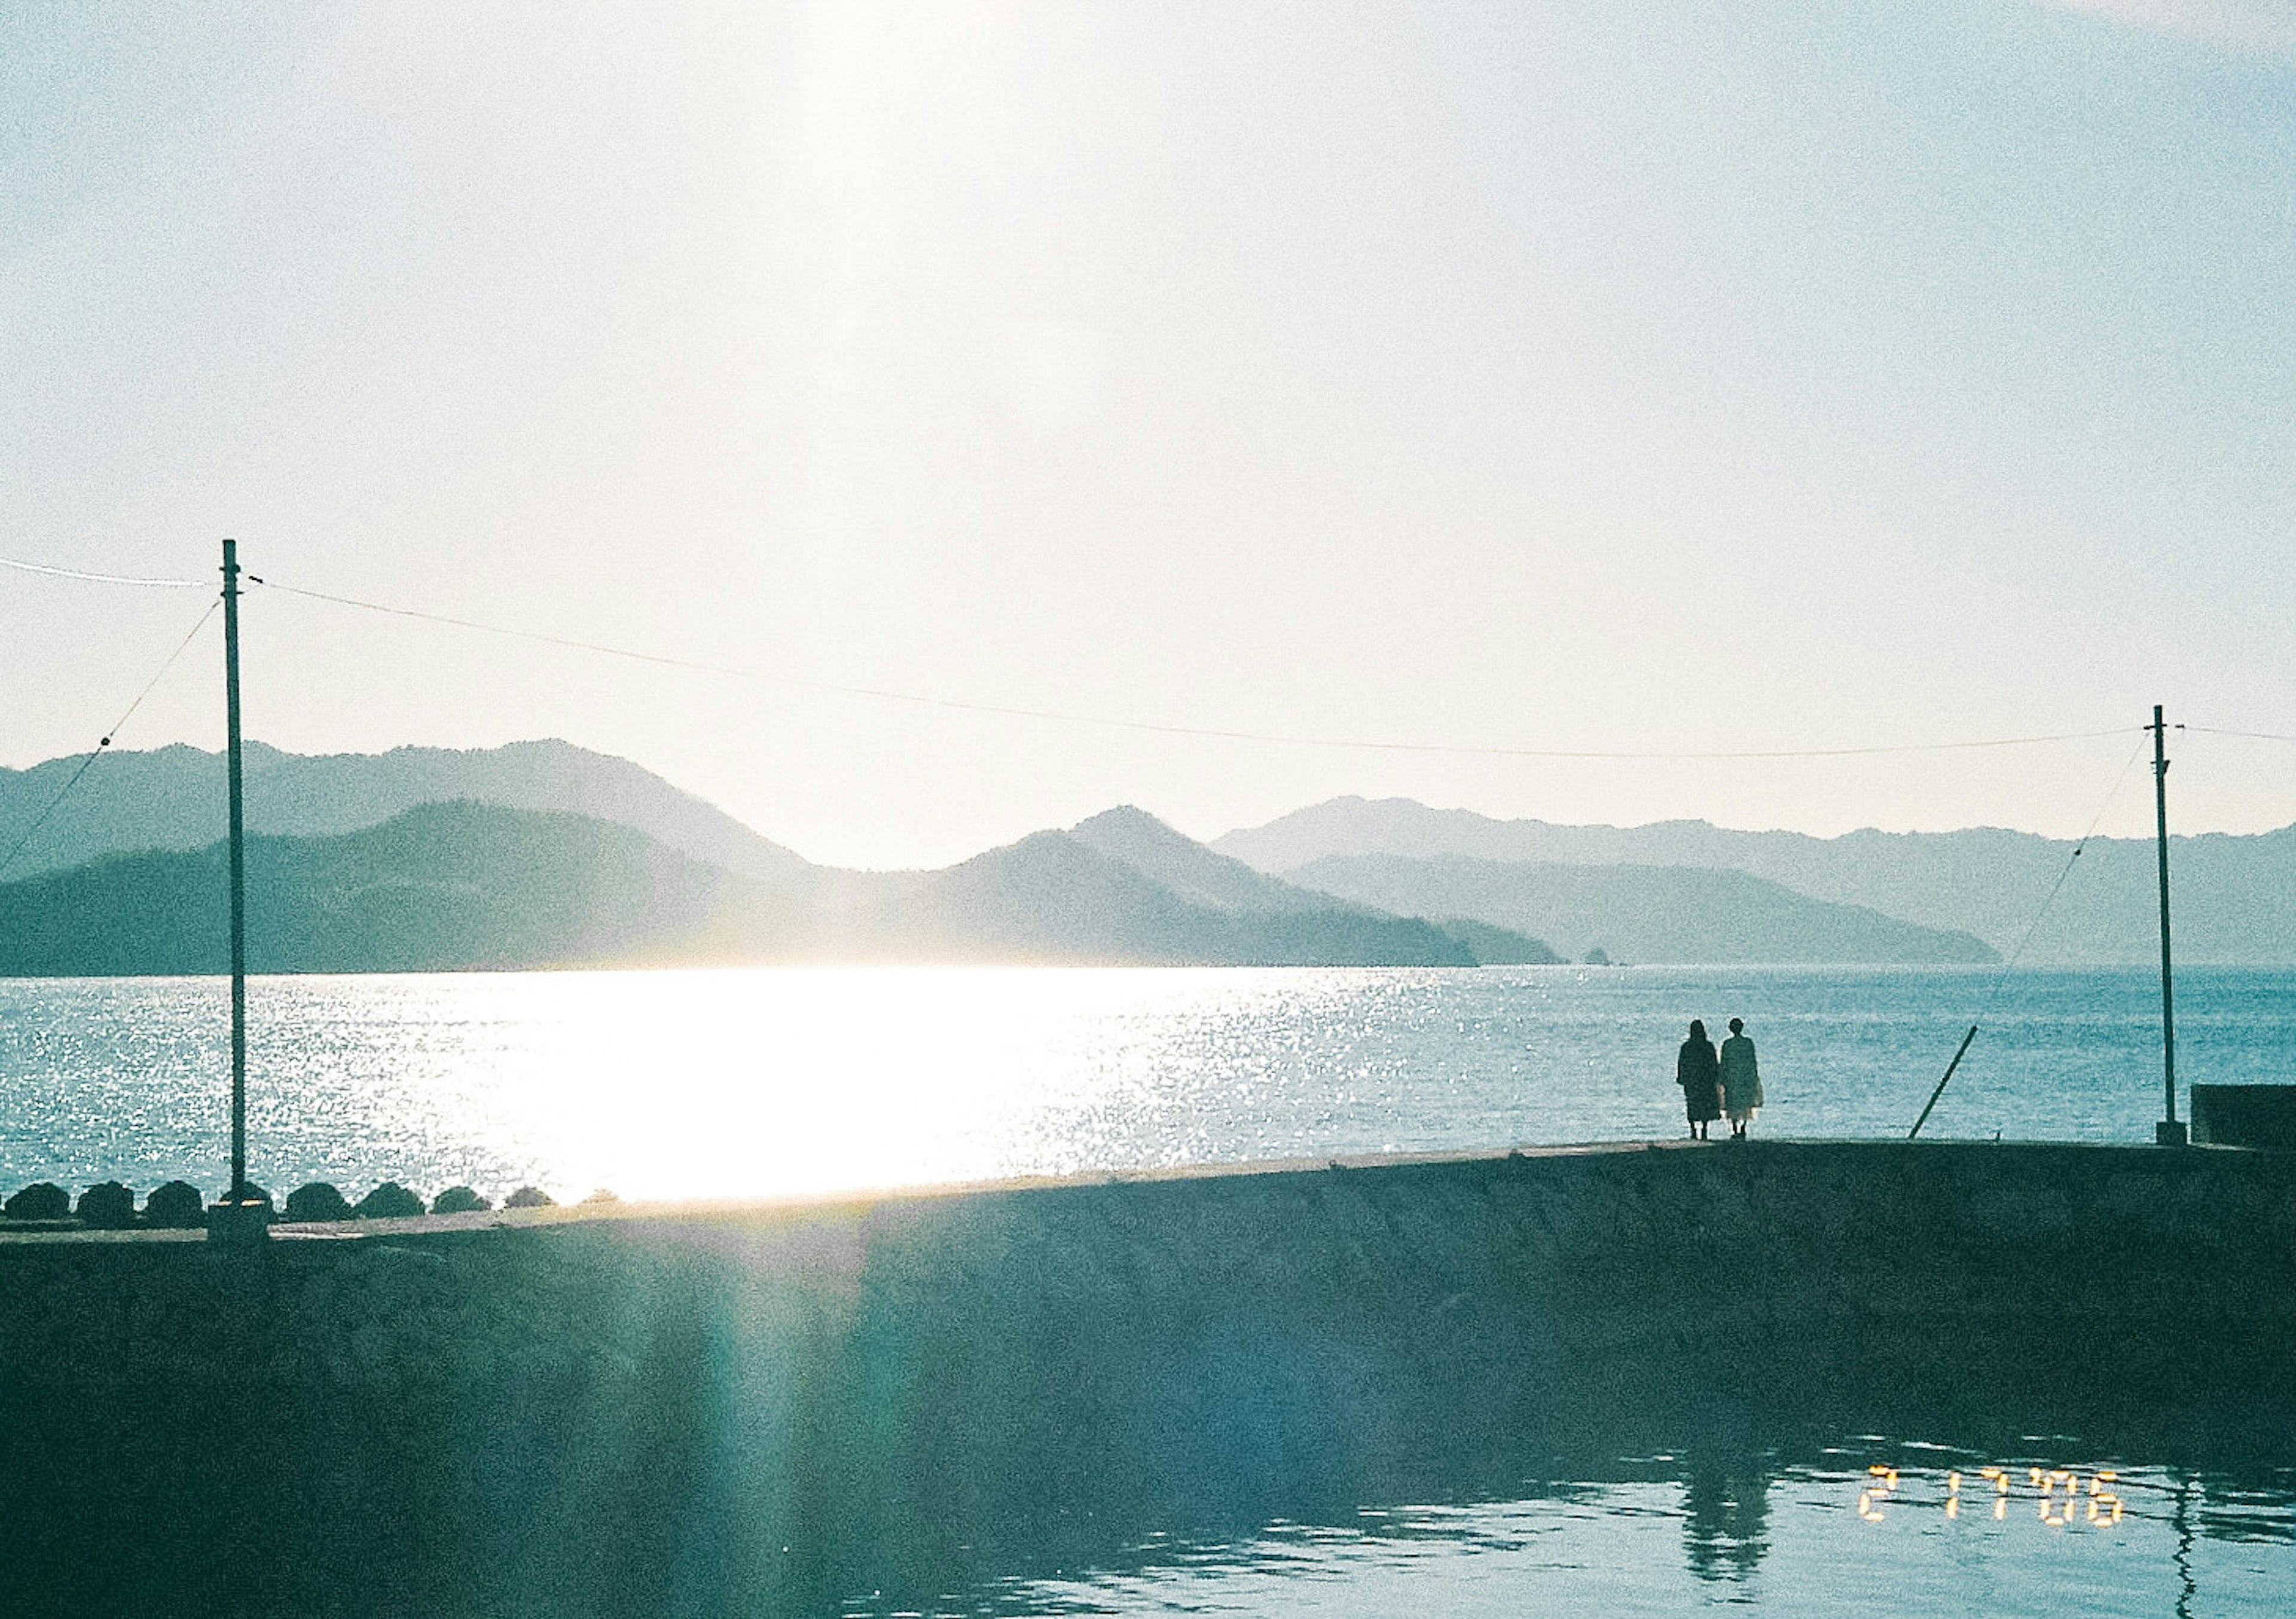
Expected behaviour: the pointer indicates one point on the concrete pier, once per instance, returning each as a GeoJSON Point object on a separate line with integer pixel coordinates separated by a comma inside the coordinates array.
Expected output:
{"type": "Point", "coordinates": [752, 1408]}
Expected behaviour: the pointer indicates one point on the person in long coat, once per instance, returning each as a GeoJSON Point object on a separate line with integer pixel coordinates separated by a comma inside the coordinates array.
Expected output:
{"type": "Point", "coordinates": [1742, 1080]}
{"type": "Point", "coordinates": [1700, 1074]}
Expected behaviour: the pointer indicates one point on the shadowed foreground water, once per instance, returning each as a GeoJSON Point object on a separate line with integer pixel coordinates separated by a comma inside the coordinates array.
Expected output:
{"type": "Point", "coordinates": [1747, 1528]}
{"type": "Point", "coordinates": [1732, 1493]}
{"type": "Point", "coordinates": [1631, 1381]}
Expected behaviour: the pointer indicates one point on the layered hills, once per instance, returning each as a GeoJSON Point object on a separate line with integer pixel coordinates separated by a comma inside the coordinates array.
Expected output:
{"type": "Point", "coordinates": [1642, 913]}
{"type": "Point", "coordinates": [465, 885]}
{"type": "Point", "coordinates": [454, 884]}
{"type": "Point", "coordinates": [2231, 891]}
{"type": "Point", "coordinates": [173, 798]}
{"type": "Point", "coordinates": [600, 859]}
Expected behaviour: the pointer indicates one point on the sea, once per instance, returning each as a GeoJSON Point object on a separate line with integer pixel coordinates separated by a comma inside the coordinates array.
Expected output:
{"type": "Point", "coordinates": [749, 1083]}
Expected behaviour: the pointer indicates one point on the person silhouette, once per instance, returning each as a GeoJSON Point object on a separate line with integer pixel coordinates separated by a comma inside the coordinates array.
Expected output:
{"type": "Point", "coordinates": [1698, 1073]}
{"type": "Point", "coordinates": [1742, 1080]}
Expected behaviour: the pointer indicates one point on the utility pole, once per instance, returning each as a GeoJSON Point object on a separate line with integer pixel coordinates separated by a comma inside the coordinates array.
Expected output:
{"type": "Point", "coordinates": [238, 873]}
{"type": "Point", "coordinates": [241, 1218]}
{"type": "Point", "coordinates": [2169, 1132]}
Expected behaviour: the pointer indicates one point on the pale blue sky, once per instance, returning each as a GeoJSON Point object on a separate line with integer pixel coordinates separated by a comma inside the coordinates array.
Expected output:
{"type": "Point", "coordinates": [1577, 375]}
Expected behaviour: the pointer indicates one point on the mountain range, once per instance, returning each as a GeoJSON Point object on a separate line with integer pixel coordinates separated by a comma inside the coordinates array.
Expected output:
{"type": "Point", "coordinates": [173, 798]}
{"type": "Point", "coordinates": [463, 885]}
{"type": "Point", "coordinates": [1641, 913]}
{"type": "Point", "coordinates": [453, 885]}
{"type": "Point", "coordinates": [541, 853]}
{"type": "Point", "coordinates": [2232, 893]}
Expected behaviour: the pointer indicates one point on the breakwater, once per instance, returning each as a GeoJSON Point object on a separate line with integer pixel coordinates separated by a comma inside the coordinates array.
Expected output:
{"type": "Point", "coordinates": [766, 1410]}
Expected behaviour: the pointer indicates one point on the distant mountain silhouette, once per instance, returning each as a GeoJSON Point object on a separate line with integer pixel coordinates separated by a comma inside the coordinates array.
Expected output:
{"type": "Point", "coordinates": [443, 886]}
{"type": "Point", "coordinates": [173, 798]}
{"type": "Point", "coordinates": [1187, 868]}
{"type": "Point", "coordinates": [1200, 874]}
{"type": "Point", "coordinates": [2231, 903]}
{"type": "Point", "coordinates": [1642, 913]}
{"type": "Point", "coordinates": [461, 885]}
{"type": "Point", "coordinates": [1053, 897]}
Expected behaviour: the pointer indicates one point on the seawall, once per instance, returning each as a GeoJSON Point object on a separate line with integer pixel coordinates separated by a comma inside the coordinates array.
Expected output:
{"type": "Point", "coordinates": [756, 1409]}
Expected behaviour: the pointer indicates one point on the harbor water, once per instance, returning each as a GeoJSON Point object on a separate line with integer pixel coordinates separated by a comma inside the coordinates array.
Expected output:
{"type": "Point", "coordinates": [783, 1081]}
{"type": "Point", "coordinates": [1977, 1493]}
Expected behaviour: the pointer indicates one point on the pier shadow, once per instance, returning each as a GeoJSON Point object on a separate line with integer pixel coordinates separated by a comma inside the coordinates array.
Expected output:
{"type": "Point", "coordinates": [791, 1417]}
{"type": "Point", "coordinates": [677, 1450]}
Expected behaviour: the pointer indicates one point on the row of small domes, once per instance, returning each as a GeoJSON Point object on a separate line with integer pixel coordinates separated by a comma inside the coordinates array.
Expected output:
{"type": "Point", "coordinates": [110, 1206]}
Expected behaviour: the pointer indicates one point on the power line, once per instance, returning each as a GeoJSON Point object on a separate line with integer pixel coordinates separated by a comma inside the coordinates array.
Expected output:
{"type": "Point", "coordinates": [41, 820]}
{"type": "Point", "coordinates": [1157, 728]}
{"type": "Point", "coordinates": [96, 578]}
{"type": "Point", "coordinates": [2253, 736]}
{"type": "Point", "coordinates": [1059, 716]}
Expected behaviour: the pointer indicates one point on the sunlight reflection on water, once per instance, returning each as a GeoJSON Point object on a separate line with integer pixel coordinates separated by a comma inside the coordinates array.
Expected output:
{"type": "Point", "coordinates": [770, 1082]}
{"type": "Point", "coordinates": [782, 1082]}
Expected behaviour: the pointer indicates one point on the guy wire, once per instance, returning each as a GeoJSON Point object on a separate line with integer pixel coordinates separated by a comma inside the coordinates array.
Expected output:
{"type": "Point", "coordinates": [41, 820]}
{"type": "Point", "coordinates": [1985, 1008]}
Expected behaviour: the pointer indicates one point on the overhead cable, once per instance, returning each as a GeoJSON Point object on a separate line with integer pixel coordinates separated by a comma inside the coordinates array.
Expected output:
{"type": "Point", "coordinates": [1159, 728]}
{"type": "Point", "coordinates": [95, 578]}
{"type": "Point", "coordinates": [1107, 722]}
{"type": "Point", "coordinates": [2253, 736]}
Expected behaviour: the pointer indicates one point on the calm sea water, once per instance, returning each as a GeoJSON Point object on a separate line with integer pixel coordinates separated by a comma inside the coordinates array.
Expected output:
{"type": "Point", "coordinates": [1921, 1531]}
{"type": "Point", "coordinates": [745, 1084]}
{"type": "Point", "coordinates": [760, 1083]}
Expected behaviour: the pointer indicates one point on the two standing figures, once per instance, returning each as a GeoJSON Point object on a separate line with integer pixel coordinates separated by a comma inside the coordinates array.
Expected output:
{"type": "Point", "coordinates": [1717, 1083]}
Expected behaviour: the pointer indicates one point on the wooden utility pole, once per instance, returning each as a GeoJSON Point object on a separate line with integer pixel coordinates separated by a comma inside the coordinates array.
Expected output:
{"type": "Point", "coordinates": [2169, 1132]}
{"type": "Point", "coordinates": [238, 873]}
{"type": "Point", "coordinates": [241, 1218]}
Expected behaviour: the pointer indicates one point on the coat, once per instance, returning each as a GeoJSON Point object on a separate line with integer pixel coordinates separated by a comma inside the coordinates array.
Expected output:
{"type": "Point", "coordinates": [1742, 1081]}
{"type": "Point", "coordinates": [1698, 1074]}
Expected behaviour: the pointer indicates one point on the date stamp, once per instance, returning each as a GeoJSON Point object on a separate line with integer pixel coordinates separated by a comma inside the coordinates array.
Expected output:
{"type": "Point", "coordinates": [2061, 1497]}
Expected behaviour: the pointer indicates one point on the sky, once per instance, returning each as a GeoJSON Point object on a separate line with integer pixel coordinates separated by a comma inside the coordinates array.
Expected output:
{"type": "Point", "coordinates": [1605, 377]}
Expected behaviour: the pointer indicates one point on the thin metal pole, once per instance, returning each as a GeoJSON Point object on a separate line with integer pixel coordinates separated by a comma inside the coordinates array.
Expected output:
{"type": "Point", "coordinates": [1942, 1084]}
{"type": "Point", "coordinates": [2168, 1133]}
{"type": "Point", "coordinates": [238, 874]}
